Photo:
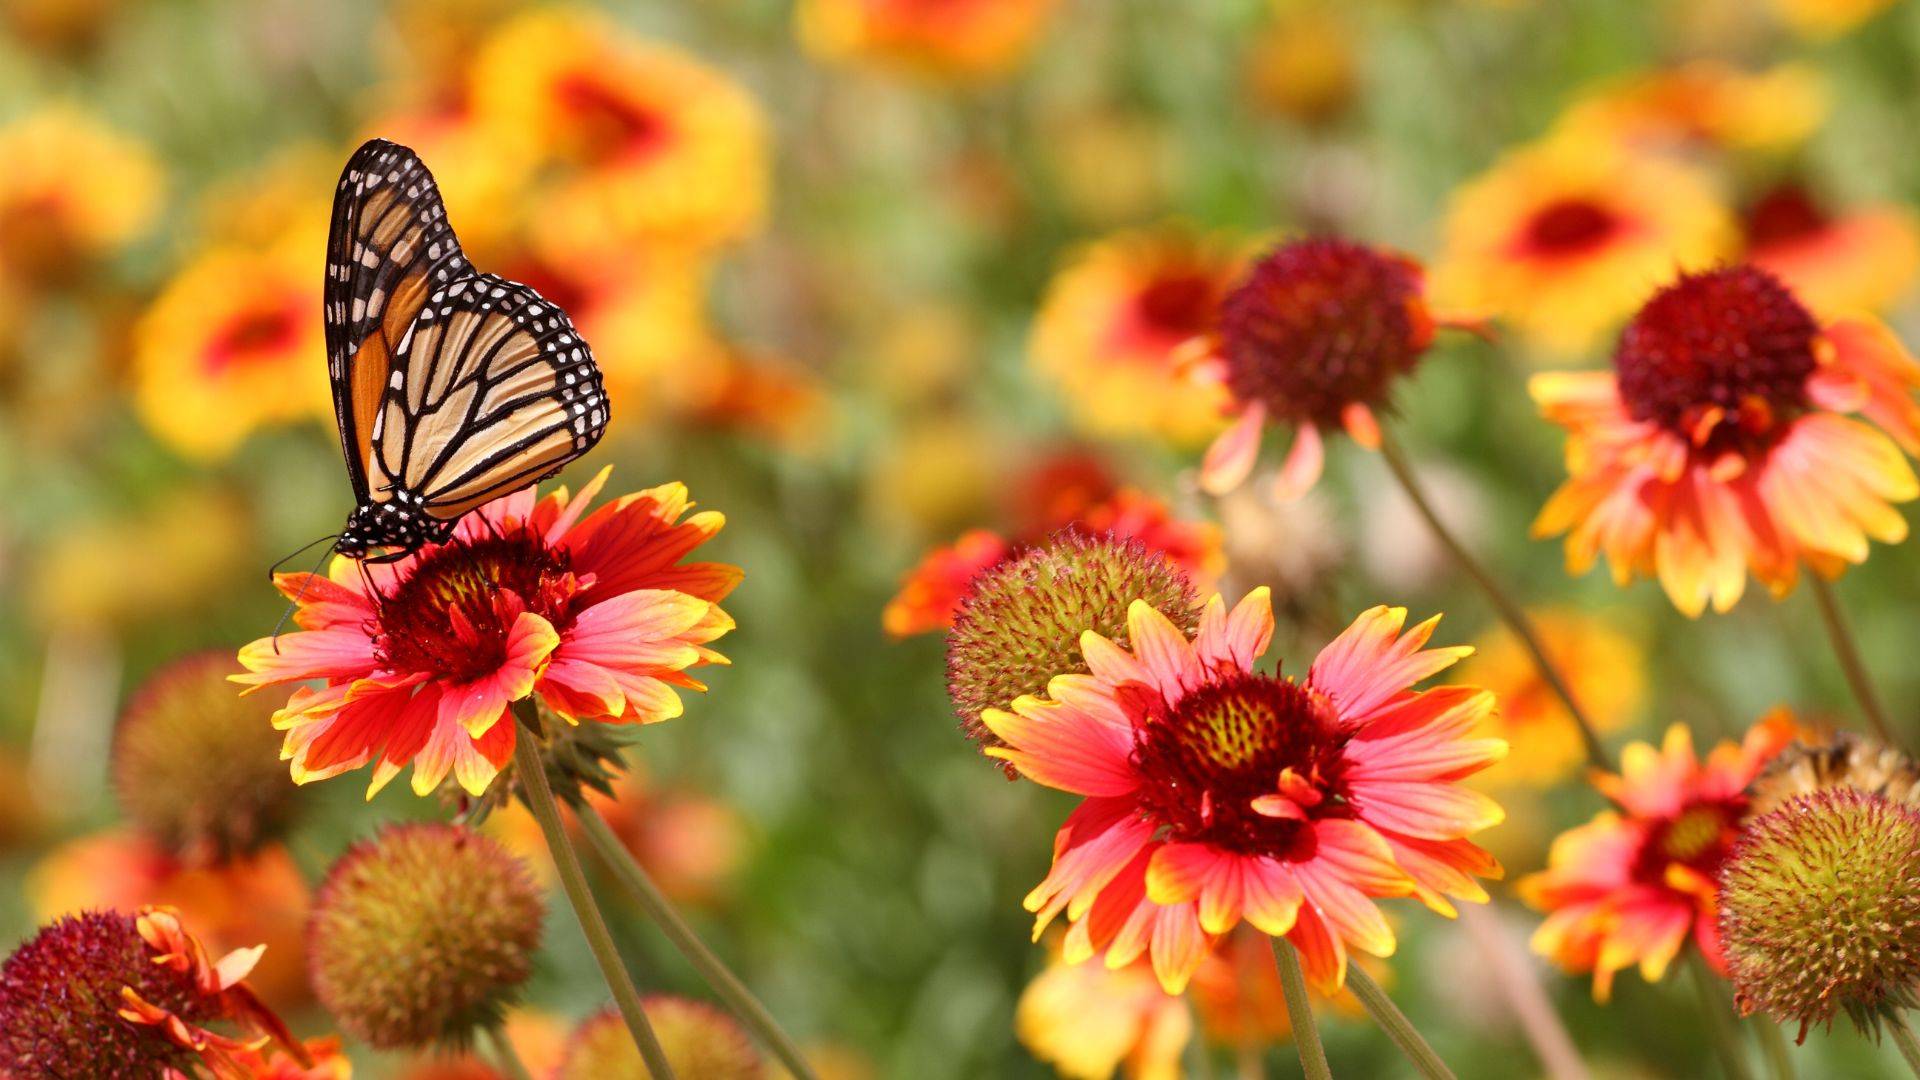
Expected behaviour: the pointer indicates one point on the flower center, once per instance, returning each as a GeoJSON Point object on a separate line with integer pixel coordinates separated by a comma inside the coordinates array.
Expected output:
{"type": "Point", "coordinates": [1319, 325]}
{"type": "Point", "coordinates": [612, 127]}
{"type": "Point", "coordinates": [1721, 358]}
{"type": "Point", "coordinates": [1178, 307]}
{"type": "Point", "coordinates": [451, 616]}
{"type": "Point", "coordinates": [1207, 759]}
{"type": "Point", "coordinates": [1569, 227]}
{"type": "Point", "coordinates": [252, 335]}
{"type": "Point", "coordinates": [1699, 837]}
{"type": "Point", "coordinates": [1783, 215]}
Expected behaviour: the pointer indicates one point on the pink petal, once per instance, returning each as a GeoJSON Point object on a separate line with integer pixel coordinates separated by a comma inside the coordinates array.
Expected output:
{"type": "Point", "coordinates": [1302, 468]}
{"type": "Point", "coordinates": [1230, 459]}
{"type": "Point", "coordinates": [1062, 747]}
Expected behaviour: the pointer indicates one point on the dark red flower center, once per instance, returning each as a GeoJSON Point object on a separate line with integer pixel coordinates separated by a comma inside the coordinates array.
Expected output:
{"type": "Point", "coordinates": [1699, 837]}
{"type": "Point", "coordinates": [1208, 757]}
{"type": "Point", "coordinates": [610, 125]}
{"type": "Point", "coordinates": [1571, 226]}
{"type": "Point", "coordinates": [254, 334]}
{"type": "Point", "coordinates": [1783, 215]}
{"type": "Point", "coordinates": [452, 614]}
{"type": "Point", "coordinates": [1721, 358]}
{"type": "Point", "coordinates": [1178, 306]}
{"type": "Point", "coordinates": [1318, 325]}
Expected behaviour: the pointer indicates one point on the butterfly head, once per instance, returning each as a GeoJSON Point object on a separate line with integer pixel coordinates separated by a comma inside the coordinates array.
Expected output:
{"type": "Point", "coordinates": [392, 526]}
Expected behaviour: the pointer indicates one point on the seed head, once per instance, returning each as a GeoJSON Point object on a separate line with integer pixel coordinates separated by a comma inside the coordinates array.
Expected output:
{"type": "Point", "coordinates": [698, 1040]}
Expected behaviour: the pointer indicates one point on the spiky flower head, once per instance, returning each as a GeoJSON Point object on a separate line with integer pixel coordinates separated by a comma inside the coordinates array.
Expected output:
{"type": "Point", "coordinates": [1021, 621]}
{"type": "Point", "coordinates": [1840, 760]}
{"type": "Point", "coordinates": [698, 1039]}
{"type": "Point", "coordinates": [423, 934]}
{"type": "Point", "coordinates": [1820, 909]}
{"type": "Point", "coordinates": [61, 995]}
{"type": "Point", "coordinates": [198, 767]}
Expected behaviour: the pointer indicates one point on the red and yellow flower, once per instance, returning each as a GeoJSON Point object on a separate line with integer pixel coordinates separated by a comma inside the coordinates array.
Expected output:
{"type": "Point", "coordinates": [1215, 793]}
{"type": "Point", "coordinates": [595, 614]}
{"type": "Point", "coordinates": [1633, 885]}
{"type": "Point", "coordinates": [1859, 259]}
{"type": "Point", "coordinates": [1316, 335]}
{"type": "Point", "coordinates": [1719, 445]}
{"type": "Point", "coordinates": [76, 190]}
{"type": "Point", "coordinates": [961, 40]}
{"type": "Point", "coordinates": [1562, 238]}
{"type": "Point", "coordinates": [1113, 326]}
{"type": "Point", "coordinates": [1703, 103]}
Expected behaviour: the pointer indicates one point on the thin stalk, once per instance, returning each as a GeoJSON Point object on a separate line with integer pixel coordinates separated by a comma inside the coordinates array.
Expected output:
{"type": "Point", "coordinates": [1200, 1060]}
{"type": "Point", "coordinates": [1903, 1038]}
{"type": "Point", "coordinates": [1395, 1023]}
{"type": "Point", "coordinates": [727, 986]}
{"type": "Point", "coordinates": [1848, 652]}
{"type": "Point", "coordinates": [1773, 1047]}
{"type": "Point", "coordinates": [1251, 1066]}
{"type": "Point", "coordinates": [539, 797]}
{"type": "Point", "coordinates": [504, 1055]}
{"type": "Point", "coordinates": [1516, 978]}
{"type": "Point", "coordinates": [1509, 610]}
{"type": "Point", "coordinates": [1717, 1011]}
{"type": "Point", "coordinates": [1306, 1035]}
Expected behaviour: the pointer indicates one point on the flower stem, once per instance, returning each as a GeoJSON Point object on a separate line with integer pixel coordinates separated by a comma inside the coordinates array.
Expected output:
{"type": "Point", "coordinates": [725, 984]}
{"type": "Point", "coordinates": [1509, 611]}
{"type": "Point", "coordinates": [1718, 1014]}
{"type": "Point", "coordinates": [1773, 1046]}
{"type": "Point", "coordinates": [1903, 1038]}
{"type": "Point", "coordinates": [539, 798]}
{"type": "Point", "coordinates": [1201, 1060]}
{"type": "Point", "coordinates": [1306, 1036]}
{"type": "Point", "coordinates": [504, 1055]}
{"type": "Point", "coordinates": [1515, 977]}
{"type": "Point", "coordinates": [1848, 652]}
{"type": "Point", "coordinates": [1394, 1022]}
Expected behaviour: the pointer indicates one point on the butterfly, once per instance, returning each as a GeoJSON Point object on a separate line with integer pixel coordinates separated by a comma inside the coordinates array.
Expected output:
{"type": "Point", "coordinates": [451, 387]}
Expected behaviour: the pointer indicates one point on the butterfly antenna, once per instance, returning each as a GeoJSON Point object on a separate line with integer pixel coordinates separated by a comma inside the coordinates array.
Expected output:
{"type": "Point", "coordinates": [294, 604]}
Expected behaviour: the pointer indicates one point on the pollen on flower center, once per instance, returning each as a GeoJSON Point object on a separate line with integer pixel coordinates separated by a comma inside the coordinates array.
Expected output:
{"type": "Point", "coordinates": [451, 616]}
{"type": "Point", "coordinates": [1225, 745]}
{"type": "Point", "coordinates": [1319, 325]}
{"type": "Point", "coordinates": [1689, 836]}
{"type": "Point", "coordinates": [1719, 357]}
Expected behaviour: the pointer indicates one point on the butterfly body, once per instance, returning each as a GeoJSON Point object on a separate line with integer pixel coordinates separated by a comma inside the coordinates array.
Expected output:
{"type": "Point", "coordinates": [451, 387]}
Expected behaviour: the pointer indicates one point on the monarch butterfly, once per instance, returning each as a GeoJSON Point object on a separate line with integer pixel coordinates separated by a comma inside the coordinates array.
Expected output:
{"type": "Point", "coordinates": [451, 387]}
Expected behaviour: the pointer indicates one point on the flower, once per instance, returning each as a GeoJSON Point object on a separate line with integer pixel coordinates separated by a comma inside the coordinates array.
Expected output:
{"type": "Point", "coordinates": [1838, 760]}
{"type": "Point", "coordinates": [107, 994]}
{"type": "Point", "coordinates": [1703, 102]}
{"type": "Point", "coordinates": [641, 141]}
{"type": "Point", "coordinates": [1562, 238]}
{"type": "Point", "coordinates": [1718, 444]}
{"type": "Point", "coordinates": [1820, 910]}
{"type": "Point", "coordinates": [260, 898]}
{"type": "Point", "coordinates": [1089, 1021]}
{"type": "Point", "coordinates": [931, 594]}
{"type": "Point", "coordinates": [1603, 669]}
{"type": "Point", "coordinates": [1633, 885]}
{"type": "Point", "coordinates": [197, 768]}
{"type": "Point", "coordinates": [1820, 19]}
{"type": "Point", "coordinates": [77, 190]}
{"type": "Point", "coordinates": [698, 1040]}
{"type": "Point", "coordinates": [957, 40]}
{"type": "Point", "coordinates": [231, 345]}
{"type": "Point", "coordinates": [423, 934]}
{"type": "Point", "coordinates": [1315, 335]}
{"type": "Point", "coordinates": [1304, 63]}
{"type": "Point", "coordinates": [1862, 258]}
{"type": "Point", "coordinates": [1216, 793]}
{"type": "Point", "coordinates": [1113, 326]}
{"type": "Point", "coordinates": [1021, 622]}
{"type": "Point", "coordinates": [595, 615]}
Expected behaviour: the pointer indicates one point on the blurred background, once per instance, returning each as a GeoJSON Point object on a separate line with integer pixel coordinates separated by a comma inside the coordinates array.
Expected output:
{"type": "Point", "coordinates": [868, 274]}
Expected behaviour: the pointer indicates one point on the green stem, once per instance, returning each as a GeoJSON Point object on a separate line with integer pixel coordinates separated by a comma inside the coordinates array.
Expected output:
{"type": "Point", "coordinates": [1773, 1047]}
{"type": "Point", "coordinates": [725, 984]}
{"type": "Point", "coordinates": [538, 794]}
{"type": "Point", "coordinates": [504, 1055]}
{"type": "Point", "coordinates": [1717, 1011]}
{"type": "Point", "coordinates": [1848, 652]}
{"type": "Point", "coordinates": [1903, 1038]}
{"type": "Point", "coordinates": [1199, 1057]}
{"type": "Point", "coordinates": [1306, 1035]}
{"type": "Point", "coordinates": [1394, 1022]}
{"type": "Point", "coordinates": [1509, 610]}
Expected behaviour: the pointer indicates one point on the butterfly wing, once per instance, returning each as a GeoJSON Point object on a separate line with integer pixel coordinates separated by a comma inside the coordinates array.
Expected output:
{"type": "Point", "coordinates": [495, 391]}
{"type": "Point", "coordinates": [388, 247]}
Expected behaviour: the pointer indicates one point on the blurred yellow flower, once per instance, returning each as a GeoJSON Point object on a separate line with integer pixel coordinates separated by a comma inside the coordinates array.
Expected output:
{"type": "Point", "coordinates": [1706, 102]}
{"type": "Point", "coordinates": [1564, 238]}
{"type": "Point", "coordinates": [1861, 258]}
{"type": "Point", "coordinates": [1606, 673]}
{"type": "Point", "coordinates": [1089, 1021]}
{"type": "Point", "coordinates": [1304, 63]}
{"type": "Point", "coordinates": [99, 573]}
{"type": "Point", "coordinates": [1116, 325]}
{"type": "Point", "coordinates": [959, 40]}
{"type": "Point", "coordinates": [1827, 18]}
{"type": "Point", "coordinates": [73, 190]}
{"type": "Point", "coordinates": [644, 142]}
{"type": "Point", "coordinates": [232, 344]}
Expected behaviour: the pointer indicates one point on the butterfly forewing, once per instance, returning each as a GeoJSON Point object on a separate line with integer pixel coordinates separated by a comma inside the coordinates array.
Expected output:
{"type": "Point", "coordinates": [450, 387]}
